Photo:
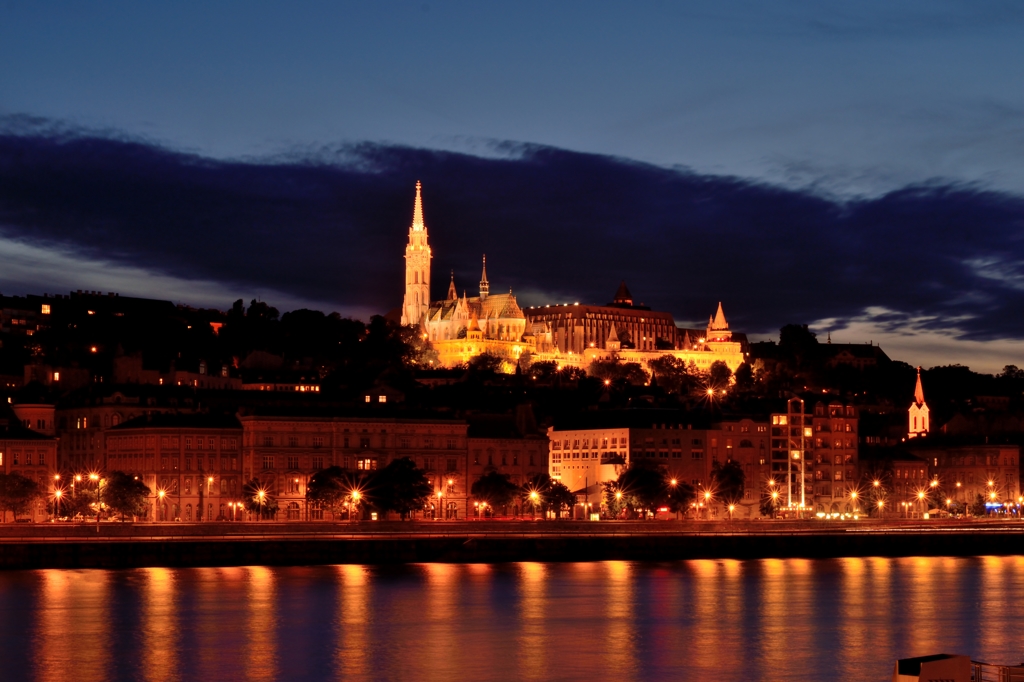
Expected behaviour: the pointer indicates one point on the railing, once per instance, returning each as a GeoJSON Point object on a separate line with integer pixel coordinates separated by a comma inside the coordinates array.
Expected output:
{"type": "Point", "coordinates": [986, 672]}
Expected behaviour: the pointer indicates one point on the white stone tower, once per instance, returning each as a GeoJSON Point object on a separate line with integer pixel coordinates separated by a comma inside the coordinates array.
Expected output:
{"type": "Point", "coordinates": [417, 267]}
{"type": "Point", "coordinates": [917, 419]}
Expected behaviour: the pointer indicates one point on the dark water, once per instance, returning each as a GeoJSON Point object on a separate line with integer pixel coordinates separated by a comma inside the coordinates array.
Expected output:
{"type": "Point", "coordinates": [845, 619]}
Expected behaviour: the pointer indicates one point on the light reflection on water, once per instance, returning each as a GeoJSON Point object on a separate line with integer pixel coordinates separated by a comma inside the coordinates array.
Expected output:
{"type": "Point", "coordinates": [843, 619]}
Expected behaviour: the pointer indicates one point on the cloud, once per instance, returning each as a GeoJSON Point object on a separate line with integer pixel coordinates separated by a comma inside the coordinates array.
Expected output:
{"type": "Point", "coordinates": [329, 225]}
{"type": "Point", "coordinates": [914, 340]}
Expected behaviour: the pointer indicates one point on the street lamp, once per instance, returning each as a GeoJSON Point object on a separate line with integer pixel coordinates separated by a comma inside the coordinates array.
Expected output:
{"type": "Point", "coordinates": [920, 500]}
{"type": "Point", "coordinates": [732, 508]}
{"type": "Point", "coordinates": [534, 497]}
{"type": "Point", "coordinates": [853, 499]}
{"type": "Point", "coordinates": [57, 493]}
{"type": "Point", "coordinates": [356, 496]}
{"type": "Point", "coordinates": [439, 495]}
{"type": "Point", "coordinates": [161, 494]}
{"type": "Point", "coordinates": [96, 477]}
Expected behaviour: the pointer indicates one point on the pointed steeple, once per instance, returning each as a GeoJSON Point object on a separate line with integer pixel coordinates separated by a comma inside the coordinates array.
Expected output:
{"type": "Point", "coordinates": [485, 286]}
{"type": "Point", "coordinates": [612, 343]}
{"type": "Point", "coordinates": [622, 295]}
{"type": "Point", "coordinates": [918, 416]}
{"type": "Point", "coordinates": [417, 211]}
{"type": "Point", "coordinates": [452, 294]}
{"type": "Point", "coordinates": [719, 321]}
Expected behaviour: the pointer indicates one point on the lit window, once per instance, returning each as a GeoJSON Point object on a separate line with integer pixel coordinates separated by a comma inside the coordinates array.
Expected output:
{"type": "Point", "coordinates": [382, 399]}
{"type": "Point", "coordinates": [46, 309]}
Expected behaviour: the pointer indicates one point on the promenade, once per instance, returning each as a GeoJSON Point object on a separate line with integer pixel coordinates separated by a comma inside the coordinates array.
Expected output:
{"type": "Point", "coordinates": [117, 545]}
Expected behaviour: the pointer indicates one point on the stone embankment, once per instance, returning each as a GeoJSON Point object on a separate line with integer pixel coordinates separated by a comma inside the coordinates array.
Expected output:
{"type": "Point", "coordinates": [116, 545]}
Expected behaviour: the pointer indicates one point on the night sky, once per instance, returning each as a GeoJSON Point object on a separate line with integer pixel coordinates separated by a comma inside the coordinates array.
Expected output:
{"type": "Point", "coordinates": [860, 169]}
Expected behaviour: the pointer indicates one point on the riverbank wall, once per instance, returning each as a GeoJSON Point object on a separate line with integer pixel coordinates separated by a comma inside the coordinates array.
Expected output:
{"type": "Point", "coordinates": [269, 544]}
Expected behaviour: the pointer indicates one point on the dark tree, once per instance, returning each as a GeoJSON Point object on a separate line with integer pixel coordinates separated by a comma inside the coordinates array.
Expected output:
{"type": "Point", "coordinates": [719, 374]}
{"type": "Point", "coordinates": [744, 377]}
{"type": "Point", "coordinates": [17, 493]}
{"type": "Point", "coordinates": [125, 494]}
{"type": "Point", "coordinates": [496, 489]}
{"type": "Point", "coordinates": [728, 478]}
{"type": "Point", "coordinates": [399, 487]}
{"type": "Point", "coordinates": [644, 485]}
{"type": "Point", "coordinates": [257, 498]}
{"type": "Point", "coordinates": [486, 362]}
{"type": "Point", "coordinates": [330, 488]}
{"type": "Point", "coordinates": [560, 497]}
{"type": "Point", "coordinates": [680, 496]}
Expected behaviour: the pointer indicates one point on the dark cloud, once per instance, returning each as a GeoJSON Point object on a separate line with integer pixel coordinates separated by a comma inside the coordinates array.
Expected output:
{"type": "Point", "coordinates": [556, 225]}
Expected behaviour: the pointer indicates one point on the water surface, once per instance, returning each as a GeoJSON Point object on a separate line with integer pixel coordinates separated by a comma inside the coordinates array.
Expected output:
{"type": "Point", "coordinates": [843, 619]}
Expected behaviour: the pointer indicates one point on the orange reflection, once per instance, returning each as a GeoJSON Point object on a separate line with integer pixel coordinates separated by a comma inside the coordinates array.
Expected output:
{"type": "Point", "coordinates": [353, 621]}
{"type": "Point", "coordinates": [533, 632]}
{"type": "Point", "coordinates": [75, 606]}
{"type": "Point", "coordinates": [160, 629]}
{"type": "Point", "coordinates": [261, 625]}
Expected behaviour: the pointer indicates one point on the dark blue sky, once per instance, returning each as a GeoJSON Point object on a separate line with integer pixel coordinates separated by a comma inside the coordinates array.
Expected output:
{"type": "Point", "coordinates": [855, 167]}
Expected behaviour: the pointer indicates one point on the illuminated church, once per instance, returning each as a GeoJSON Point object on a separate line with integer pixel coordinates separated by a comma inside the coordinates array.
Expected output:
{"type": "Point", "coordinates": [459, 327]}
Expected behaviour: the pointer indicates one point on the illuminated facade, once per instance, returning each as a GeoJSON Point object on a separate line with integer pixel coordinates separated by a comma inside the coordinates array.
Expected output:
{"type": "Point", "coordinates": [28, 453]}
{"type": "Point", "coordinates": [577, 335]}
{"type": "Point", "coordinates": [459, 328]}
{"type": "Point", "coordinates": [190, 462]}
{"type": "Point", "coordinates": [283, 452]}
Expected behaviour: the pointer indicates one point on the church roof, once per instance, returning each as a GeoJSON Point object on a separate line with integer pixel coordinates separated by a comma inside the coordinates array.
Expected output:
{"type": "Point", "coordinates": [622, 295]}
{"type": "Point", "coordinates": [719, 321]}
{"type": "Point", "coordinates": [919, 390]}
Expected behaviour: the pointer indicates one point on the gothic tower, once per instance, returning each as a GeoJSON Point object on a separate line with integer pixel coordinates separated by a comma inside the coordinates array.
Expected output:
{"type": "Point", "coordinates": [417, 267]}
{"type": "Point", "coordinates": [917, 419]}
{"type": "Point", "coordinates": [485, 286]}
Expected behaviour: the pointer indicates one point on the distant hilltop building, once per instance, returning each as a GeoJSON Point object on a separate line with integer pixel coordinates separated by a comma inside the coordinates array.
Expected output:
{"type": "Point", "coordinates": [463, 327]}
{"type": "Point", "coordinates": [579, 334]}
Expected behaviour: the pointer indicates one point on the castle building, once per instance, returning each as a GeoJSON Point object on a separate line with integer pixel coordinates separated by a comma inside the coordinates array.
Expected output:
{"type": "Point", "coordinates": [917, 417]}
{"type": "Point", "coordinates": [459, 328]}
{"type": "Point", "coordinates": [578, 335]}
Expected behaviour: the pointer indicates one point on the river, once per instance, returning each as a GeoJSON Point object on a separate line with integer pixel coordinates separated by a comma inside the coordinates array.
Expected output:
{"type": "Point", "coordinates": [772, 619]}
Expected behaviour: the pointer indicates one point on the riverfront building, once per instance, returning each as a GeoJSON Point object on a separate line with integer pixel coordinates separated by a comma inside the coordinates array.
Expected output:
{"type": "Point", "coordinates": [30, 454]}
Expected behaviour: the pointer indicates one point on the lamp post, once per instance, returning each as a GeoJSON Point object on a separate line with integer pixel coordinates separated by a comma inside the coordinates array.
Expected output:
{"type": "Point", "coordinates": [732, 508]}
{"type": "Point", "coordinates": [707, 504]}
{"type": "Point", "coordinates": [440, 494]}
{"type": "Point", "coordinates": [261, 498]}
{"type": "Point", "coordinates": [96, 478]}
{"type": "Point", "coordinates": [160, 503]}
{"type": "Point", "coordinates": [920, 502]}
{"type": "Point", "coordinates": [56, 503]}
{"type": "Point", "coordinates": [775, 503]}
{"type": "Point", "coordinates": [356, 495]}
{"type": "Point", "coordinates": [853, 500]}
{"type": "Point", "coordinates": [533, 498]}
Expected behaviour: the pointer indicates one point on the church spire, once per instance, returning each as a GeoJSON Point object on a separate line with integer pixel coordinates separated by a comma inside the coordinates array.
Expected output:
{"type": "Point", "coordinates": [485, 286]}
{"type": "Point", "coordinates": [417, 211]}
{"type": "Point", "coordinates": [417, 267]}
{"type": "Point", "coordinates": [919, 417]}
{"type": "Point", "coordinates": [452, 294]}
